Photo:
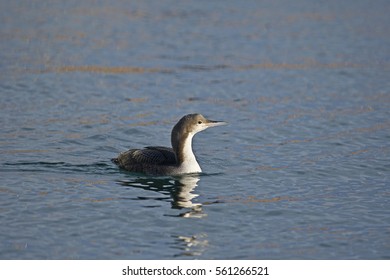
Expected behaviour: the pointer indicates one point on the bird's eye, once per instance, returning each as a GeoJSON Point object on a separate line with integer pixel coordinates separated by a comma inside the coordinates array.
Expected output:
{"type": "Point", "coordinates": [199, 122]}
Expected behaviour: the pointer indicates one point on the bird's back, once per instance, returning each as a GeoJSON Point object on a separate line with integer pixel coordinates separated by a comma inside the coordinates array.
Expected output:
{"type": "Point", "coordinates": [150, 160]}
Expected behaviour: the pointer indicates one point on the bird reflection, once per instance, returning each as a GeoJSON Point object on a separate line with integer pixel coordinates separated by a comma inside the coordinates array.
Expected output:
{"type": "Point", "coordinates": [180, 190]}
{"type": "Point", "coordinates": [192, 246]}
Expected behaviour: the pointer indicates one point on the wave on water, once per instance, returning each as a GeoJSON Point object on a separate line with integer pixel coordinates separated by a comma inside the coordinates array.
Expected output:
{"type": "Point", "coordinates": [62, 167]}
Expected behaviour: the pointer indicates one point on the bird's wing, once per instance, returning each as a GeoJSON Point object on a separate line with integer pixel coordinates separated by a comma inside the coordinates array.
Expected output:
{"type": "Point", "coordinates": [167, 153]}
{"type": "Point", "coordinates": [149, 155]}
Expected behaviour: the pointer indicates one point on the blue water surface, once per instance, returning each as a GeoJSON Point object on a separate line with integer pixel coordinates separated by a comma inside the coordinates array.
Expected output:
{"type": "Point", "coordinates": [302, 171]}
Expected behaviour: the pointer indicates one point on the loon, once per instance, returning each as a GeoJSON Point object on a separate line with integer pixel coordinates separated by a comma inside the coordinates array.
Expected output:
{"type": "Point", "coordinates": [180, 159]}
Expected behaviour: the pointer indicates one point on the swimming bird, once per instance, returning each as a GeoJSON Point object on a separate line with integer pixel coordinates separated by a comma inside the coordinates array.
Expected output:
{"type": "Point", "coordinates": [180, 159]}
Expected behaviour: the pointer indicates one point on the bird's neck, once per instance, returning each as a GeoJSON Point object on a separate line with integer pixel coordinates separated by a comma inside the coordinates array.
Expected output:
{"type": "Point", "coordinates": [184, 155]}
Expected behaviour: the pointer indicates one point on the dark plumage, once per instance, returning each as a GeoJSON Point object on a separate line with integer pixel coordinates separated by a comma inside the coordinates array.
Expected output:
{"type": "Point", "coordinates": [149, 155]}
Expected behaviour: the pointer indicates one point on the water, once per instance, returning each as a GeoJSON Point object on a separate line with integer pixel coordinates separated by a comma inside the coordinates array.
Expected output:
{"type": "Point", "coordinates": [300, 172]}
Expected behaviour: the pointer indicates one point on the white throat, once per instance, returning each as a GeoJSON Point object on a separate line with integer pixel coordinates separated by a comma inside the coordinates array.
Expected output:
{"type": "Point", "coordinates": [190, 164]}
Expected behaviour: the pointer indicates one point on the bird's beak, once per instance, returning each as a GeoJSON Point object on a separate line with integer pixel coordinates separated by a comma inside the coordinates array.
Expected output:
{"type": "Point", "coordinates": [211, 123]}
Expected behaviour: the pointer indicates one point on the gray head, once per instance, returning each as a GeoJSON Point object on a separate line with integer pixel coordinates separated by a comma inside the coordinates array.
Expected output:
{"type": "Point", "coordinates": [194, 123]}
{"type": "Point", "coordinates": [189, 125]}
